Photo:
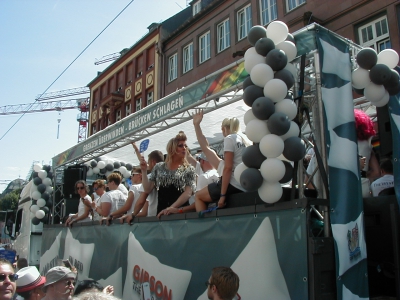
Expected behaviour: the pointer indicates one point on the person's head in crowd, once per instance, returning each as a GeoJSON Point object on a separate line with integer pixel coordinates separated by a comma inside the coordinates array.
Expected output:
{"type": "Point", "coordinates": [7, 280]}
{"type": "Point", "coordinates": [136, 175]}
{"type": "Point", "coordinates": [101, 186]}
{"type": "Point", "coordinates": [113, 181]}
{"type": "Point", "coordinates": [230, 125]}
{"type": "Point", "coordinates": [30, 283]}
{"type": "Point", "coordinates": [364, 126]}
{"type": "Point", "coordinates": [154, 158]}
{"type": "Point", "coordinates": [95, 296]}
{"type": "Point", "coordinates": [60, 282]}
{"type": "Point", "coordinates": [223, 284]}
{"type": "Point", "coordinates": [94, 186]}
{"type": "Point", "coordinates": [204, 163]}
{"type": "Point", "coordinates": [87, 285]}
{"type": "Point", "coordinates": [177, 147]}
{"type": "Point", "coordinates": [22, 263]}
{"type": "Point", "coordinates": [386, 166]}
{"type": "Point", "coordinates": [81, 186]}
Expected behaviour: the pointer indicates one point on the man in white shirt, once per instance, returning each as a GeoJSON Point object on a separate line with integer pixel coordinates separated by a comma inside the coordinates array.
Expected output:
{"type": "Point", "coordinates": [387, 179]}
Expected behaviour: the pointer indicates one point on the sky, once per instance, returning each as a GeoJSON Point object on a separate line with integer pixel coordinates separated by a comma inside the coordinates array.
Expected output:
{"type": "Point", "coordinates": [38, 40]}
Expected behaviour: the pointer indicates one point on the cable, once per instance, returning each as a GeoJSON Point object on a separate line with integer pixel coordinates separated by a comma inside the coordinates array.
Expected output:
{"type": "Point", "coordinates": [37, 99]}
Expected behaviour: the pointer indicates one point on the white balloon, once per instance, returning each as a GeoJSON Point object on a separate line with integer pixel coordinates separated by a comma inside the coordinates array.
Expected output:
{"type": "Point", "coordinates": [383, 101]}
{"type": "Point", "coordinates": [47, 181]}
{"type": "Point", "coordinates": [122, 169]}
{"type": "Point", "coordinates": [41, 202]}
{"type": "Point", "coordinates": [289, 48]}
{"type": "Point", "coordinates": [275, 89]}
{"type": "Point", "coordinates": [249, 52]}
{"type": "Point", "coordinates": [49, 189]}
{"type": "Point", "coordinates": [272, 169]}
{"type": "Point", "coordinates": [34, 208]}
{"type": "Point", "coordinates": [271, 145]}
{"type": "Point", "coordinates": [360, 78]}
{"type": "Point", "coordinates": [238, 171]}
{"type": "Point", "coordinates": [294, 130]}
{"type": "Point", "coordinates": [248, 116]}
{"type": "Point", "coordinates": [288, 107]}
{"type": "Point", "coordinates": [256, 129]}
{"type": "Point", "coordinates": [89, 172]}
{"type": "Point", "coordinates": [260, 74]}
{"type": "Point", "coordinates": [126, 174]}
{"type": "Point", "coordinates": [96, 170]}
{"type": "Point", "coordinates": [292, 69]}
{"type": "Point", "coordinates": [101, 164]}
{"type": "Point", "coordinates": [36, 195]}
{"type": "Point", "coordinates": [374, 92]}
{"type": "Point", "coordinates": [270, 192]}
{"type": "Point", "coordinates": [42, 174]}
{"type": "Point", "coordinates": [388, 57]}
{"type": "Point", "coordinates": [37, 167]}
{"type": "Point", "coordinates": [277, 31]}
{"type": "Point", "coordinates": [40, 214]}
{"type": "Point", "coordinates": [252, 59]}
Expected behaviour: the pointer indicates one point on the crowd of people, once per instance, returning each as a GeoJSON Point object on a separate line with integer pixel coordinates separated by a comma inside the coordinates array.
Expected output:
{"type": "Point", "coordinates": [61, 283]}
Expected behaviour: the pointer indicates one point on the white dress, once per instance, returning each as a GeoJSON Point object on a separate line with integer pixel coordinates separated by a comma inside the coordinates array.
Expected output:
{"type": "Point", "coordinates": [81, 209]}
{"type": "Point", "coordinates": [234, 143]}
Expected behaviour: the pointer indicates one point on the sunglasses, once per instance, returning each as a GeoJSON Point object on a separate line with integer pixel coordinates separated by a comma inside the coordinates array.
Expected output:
{"type": "Point", "coordinates": [69, 282]}
{"type": "Point", "coordinates": [80, 187]}
{"type": "Point", "coordinates": [182, 145]}
{"type": "Point", "coordinates": [11, 277]}
{"type": "Point", "coordinates": [133, 174]}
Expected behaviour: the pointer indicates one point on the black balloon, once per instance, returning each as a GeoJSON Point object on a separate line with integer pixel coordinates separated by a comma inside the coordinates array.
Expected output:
{"type": "Point", "coordinates": [393, 84]}
{"type": "Point", "coordinates": [37, 180]}
{"type": "Point", "coordinates": [97, 159]}
{"type": "Point", "coordinates": [50, 175]}
{"type": "Point", "coordinates": [290, 38]}
{"type": "Point", "coordinates": [247, 82]}
{"type": "Point", "coordinates": [367, 58]}
{"type": "Point", "coordinates": [380, 74]}
{"type": "Point", "coordinates": [359, 91]}
{"type": "Point", "coordinates": [41, 188]}
{"type": "Point", "coordinates": [294, 149]}
{"type": "Point", "coordinates": [252, 156]}
{"type": "Point", "coordinates": [34, 202]}
{"type": "Point", "coordinates": [117, 165]}
{"type": "Point", "coordinates": [129, 167]}
{"type": "Point", "coordinates": [35, 174]}
{"type": "Point", "coordinates": [109, 167]}
{"type": "Point", "coordinates": [47, 168]}
{"type": "Point", "coordinates": [276, 59]}
{"type": "Point", "coordinates": [93, 163]}
{"type": "Point", "coordinates": [35, 221]}
{"type": "Point", "coordinates": [263, 108]}
{"type": "Point", "coordinates": [251, 179]}
{"type": "Point", "coordinates": [251, 93]}
{"type": "Point", "coordinates": [122, 164]}
{"type": "Point", "coordinates": [46, 210]}
{"type": "Point", "coordinates": [393, 90]}
{"type": "Point", "coordinates": [255, 33]}
{"type": "Point", "coordinates": [103, 171]}
{"type": "Point", "coordinates": [264, 45]}
{"type": "Point", "coordinates": [288, 172]}
{"type": "Point", "coordinates": [286, 76]}
{"type": "Point", "coordinates": [278, 123]}
{"type": "Point", "coordinates": [45, 196]}
{"type": "Point", "coordinates": [49, 204]}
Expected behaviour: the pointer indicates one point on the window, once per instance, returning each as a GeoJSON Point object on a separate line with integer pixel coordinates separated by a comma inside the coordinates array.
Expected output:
{"type": "Point", "coordinates": [196, 7]}
{"type": "Point", "coordinates": [243, 22]}
{"type": "Point", "coordinates": [375, 34]}
{"type": "Point", "coordinates": [118, 115]}
{"type": "Point", "coordinates": [205, 48]}
{"type": "Point", "coordinates": [138, 104]}
{"type": "Point", "coordinates": [94, 129]}
{"type": "Point", "coordinates": [150, 97]}
{"type": "Point", "coordinates": [268, 11]}
{"type": "Point", "coordinates": [173, 67]}
{"type": "Point", "coordinates": [128, 109]}
{"type": "Point", "coordinates": [223, 35]}
{"type": "Point", "coordinates": [188, 58]}
{"type": "Point", "coordinates": [292, 4]}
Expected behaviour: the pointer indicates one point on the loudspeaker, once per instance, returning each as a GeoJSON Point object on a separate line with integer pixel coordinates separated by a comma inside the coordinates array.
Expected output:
{"type": "Point", "coordinates": [381, 218]}
{"type": "Point", "coordinates": [385, 131]}
{"type": "Point", "coordinates": [71, 176]}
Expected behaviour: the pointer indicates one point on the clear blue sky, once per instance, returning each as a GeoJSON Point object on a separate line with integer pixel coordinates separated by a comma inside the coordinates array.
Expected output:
{"type": "Point", "coordinates": [38, 40]}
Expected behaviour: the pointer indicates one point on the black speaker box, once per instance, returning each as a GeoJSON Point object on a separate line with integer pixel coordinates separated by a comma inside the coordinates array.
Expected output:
{"type": "Point", "coordinates": [71, 176]}
{"type": "Point", "coordinates": [385, 131]}
{"type": "Point", "coordinates": [71, 205]}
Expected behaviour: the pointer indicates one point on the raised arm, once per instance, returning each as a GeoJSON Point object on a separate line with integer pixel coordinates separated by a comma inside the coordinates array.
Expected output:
{"type": "Point", "coordinates": [148, 185]}
{"type": "Point", "coordinates": [137, 152]}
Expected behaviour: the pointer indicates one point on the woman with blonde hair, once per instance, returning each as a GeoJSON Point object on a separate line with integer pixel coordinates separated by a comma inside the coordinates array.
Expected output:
{"type": "Point", "coordinates": [174, 179]}
{"type": "Point", "coordinates": [234, 143]}
{"type": "Point", "coordinates": [100, 190]}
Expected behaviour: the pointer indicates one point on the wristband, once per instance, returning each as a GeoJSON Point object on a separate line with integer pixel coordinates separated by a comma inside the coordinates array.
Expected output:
{"type": "Point", "coordinates": [181, 210]}
{"type": "Point", "coordinates": [222, 195]}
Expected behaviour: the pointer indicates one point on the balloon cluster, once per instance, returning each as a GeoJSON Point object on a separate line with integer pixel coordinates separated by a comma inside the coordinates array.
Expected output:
{"type": "Point", "coordinates": [40, 193]}
{"type": "Point", "coordinates": [375, 76]}
{"type": "Point", "coordinates": [266, 164]}
{"type": "Point", "coordinates": [106, 167]}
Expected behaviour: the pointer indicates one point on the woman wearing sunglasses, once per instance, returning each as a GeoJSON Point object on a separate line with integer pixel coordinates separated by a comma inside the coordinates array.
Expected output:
{"type": "Point", "coordinates": [174, 179]}
{"type": "Point", "coordinates": [84, 207]}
